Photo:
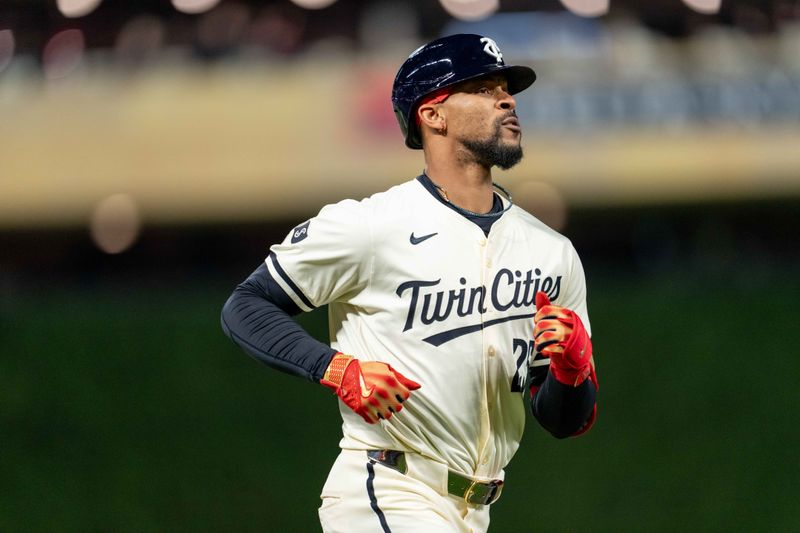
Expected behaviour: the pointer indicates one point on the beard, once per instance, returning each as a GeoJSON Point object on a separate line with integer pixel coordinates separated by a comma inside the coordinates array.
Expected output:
{"type": "Point", "coordinates": [493, 151]}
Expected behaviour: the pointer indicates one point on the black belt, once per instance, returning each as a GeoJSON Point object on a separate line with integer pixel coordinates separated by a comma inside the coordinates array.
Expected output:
{"type": "Point", "coordinates": [470, 490]}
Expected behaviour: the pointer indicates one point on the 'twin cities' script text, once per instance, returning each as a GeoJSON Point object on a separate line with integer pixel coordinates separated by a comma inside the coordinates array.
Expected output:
{"type": "Point", "coordinates": [437, 306]}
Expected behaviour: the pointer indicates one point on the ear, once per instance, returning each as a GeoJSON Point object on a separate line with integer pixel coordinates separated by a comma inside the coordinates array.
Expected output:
{"type": "Point", "coordinates": [432, 116]}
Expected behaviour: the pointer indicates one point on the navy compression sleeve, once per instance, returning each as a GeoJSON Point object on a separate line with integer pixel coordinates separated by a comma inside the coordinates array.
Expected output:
{"type": "Point", "coordinates": [257, 318]}
{"type": "Point", "coordinates": [560, 409]}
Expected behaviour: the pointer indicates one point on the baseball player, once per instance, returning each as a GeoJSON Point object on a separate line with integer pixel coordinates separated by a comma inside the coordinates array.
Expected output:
{"type": "Point", "coordinates": [451, 310]}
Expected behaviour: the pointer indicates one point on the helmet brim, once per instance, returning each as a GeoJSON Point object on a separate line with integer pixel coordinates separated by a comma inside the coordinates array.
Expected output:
{"type": "Point", "coordinates": [518, 77]}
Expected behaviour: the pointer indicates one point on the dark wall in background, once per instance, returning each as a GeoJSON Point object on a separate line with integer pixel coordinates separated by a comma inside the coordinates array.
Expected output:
{"type": "Point", "coordinates": [124, 408]}
{"type": "Point", "coordinates": [726, 239]}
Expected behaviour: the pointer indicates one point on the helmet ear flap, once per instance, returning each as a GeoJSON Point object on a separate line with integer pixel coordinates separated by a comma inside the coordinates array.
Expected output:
{"type": "Point", "coordinates": [413, 138]}
{"type": "Point", "coordinates": [401, 119]}
{"type": "Point", "coordinates": [409, 130]}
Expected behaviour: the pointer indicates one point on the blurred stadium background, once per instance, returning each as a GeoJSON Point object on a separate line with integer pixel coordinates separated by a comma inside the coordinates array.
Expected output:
{"type": "Point", "coordinates": [150, 152]}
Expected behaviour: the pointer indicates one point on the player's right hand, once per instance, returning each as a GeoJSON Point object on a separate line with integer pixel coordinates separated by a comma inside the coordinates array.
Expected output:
{"type": "Point", "coordinates": [372, 389]}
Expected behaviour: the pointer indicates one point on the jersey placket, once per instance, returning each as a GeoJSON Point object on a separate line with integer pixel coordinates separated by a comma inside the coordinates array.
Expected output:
{"type": "Point", "coordinates": [484, 435]}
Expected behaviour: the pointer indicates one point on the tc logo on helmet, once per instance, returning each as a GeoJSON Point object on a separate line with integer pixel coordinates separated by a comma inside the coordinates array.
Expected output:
{"type": "Point", "coordinates": [490, 47]}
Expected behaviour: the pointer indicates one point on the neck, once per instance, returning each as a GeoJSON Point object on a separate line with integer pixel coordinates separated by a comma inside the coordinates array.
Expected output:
{"type": "Point", "coordinates": [469, 186]}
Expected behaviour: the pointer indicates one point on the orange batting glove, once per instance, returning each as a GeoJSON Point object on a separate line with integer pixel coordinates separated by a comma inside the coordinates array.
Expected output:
{"type": "Point", "coordinates": [560, 335]}
{"type": "Point", "coordinates": [372, 389]}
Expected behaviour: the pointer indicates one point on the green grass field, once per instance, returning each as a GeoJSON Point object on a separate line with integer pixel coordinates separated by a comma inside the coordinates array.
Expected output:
{"type": "Point", "coordinates": [128, 410]}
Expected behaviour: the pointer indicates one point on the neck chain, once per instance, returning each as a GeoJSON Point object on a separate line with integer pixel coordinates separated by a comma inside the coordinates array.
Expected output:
{"type": "Point", "coordinates": [443, 194]}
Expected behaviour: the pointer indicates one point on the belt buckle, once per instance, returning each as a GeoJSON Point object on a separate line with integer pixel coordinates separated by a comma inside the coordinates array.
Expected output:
{"type": "Point", "coordinates": [491, 495]}
{"type": "Point", "coordinates": [469, 492]}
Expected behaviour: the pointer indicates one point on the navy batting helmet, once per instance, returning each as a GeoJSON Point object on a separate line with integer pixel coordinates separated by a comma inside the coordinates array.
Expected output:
{"type": "Point", "coordinates": [445, 62]}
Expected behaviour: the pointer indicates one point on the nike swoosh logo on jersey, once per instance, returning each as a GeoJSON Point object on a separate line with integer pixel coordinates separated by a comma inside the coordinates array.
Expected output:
{"type": "Point", "coordinates": [417, 240]}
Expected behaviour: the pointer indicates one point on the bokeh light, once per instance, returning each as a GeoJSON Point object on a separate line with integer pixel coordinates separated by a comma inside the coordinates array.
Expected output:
{"type": "Point", "coordinates": [587, 8]}
{"type": "Point", "coordinates": [544, 201]}
{"type": "Point", "coordinates": [6, 48]}
{"type": "Point", "coordinates": [115, 223]}
{"type": "Point", "coordinates": [707, 7]}
{"type": "Point", "coordinates": [313, 4]}
{"type": "Point", "coordinates": [76, 8]}
{"type": "Point", "coordinates": [193, 7]}
{"type": "Point", "coordinates": [470, 9]}
{"type": "Point", "coordinates": [62, 53]}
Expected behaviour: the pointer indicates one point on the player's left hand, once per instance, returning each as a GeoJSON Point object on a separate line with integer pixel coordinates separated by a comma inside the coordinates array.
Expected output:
{"type": "Point", "coordinates": [560, 335]}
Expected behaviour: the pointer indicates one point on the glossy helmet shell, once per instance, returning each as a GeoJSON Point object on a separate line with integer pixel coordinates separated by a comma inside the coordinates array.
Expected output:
{"type": "Point", "coordinates": [445, 62]}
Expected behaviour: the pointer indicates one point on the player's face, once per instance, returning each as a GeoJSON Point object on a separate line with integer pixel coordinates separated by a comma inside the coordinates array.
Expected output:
{"type": "Point", "coordinates": [482, 117]}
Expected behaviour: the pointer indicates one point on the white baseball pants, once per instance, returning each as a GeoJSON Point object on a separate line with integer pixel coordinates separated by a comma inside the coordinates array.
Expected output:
{"type": "Point", "coordinates": [362, 496]}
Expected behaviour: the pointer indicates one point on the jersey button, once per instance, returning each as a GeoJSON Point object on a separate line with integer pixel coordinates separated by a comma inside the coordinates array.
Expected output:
{"type": "Point", "coordinates": [485, 461]}
{"type": "Point", "coordinates": [482, 241]}
{"type": "Point", "coordinates": [491, 351]}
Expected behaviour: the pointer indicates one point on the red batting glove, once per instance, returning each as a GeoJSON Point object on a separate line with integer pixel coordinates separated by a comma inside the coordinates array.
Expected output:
{"type": "Point", "coordinates": [561, 336]}
{"type": "Point", "coordinates": [372, 389]}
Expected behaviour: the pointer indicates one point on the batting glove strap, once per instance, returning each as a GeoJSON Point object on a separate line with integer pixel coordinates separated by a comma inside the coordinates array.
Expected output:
{"type": "Point", "coordinates": [334, 374]}
{"type": "Point", "coordinates": [345, 378]}
{"type": "Point", "coordinates": [573, 365]}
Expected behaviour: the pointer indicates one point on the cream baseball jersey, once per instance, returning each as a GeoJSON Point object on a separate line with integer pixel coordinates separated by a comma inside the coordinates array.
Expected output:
{"type": "Point", "coordinates": [414, 284]}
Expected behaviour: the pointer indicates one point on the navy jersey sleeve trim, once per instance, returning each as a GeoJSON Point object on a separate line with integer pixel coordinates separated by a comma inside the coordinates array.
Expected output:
{"type": "Point", "coordinates": [285, 277]}
{"type": "Point", "coordinates": [257, 318]}
{"type": "Point", "coordinates": [278, 296]}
